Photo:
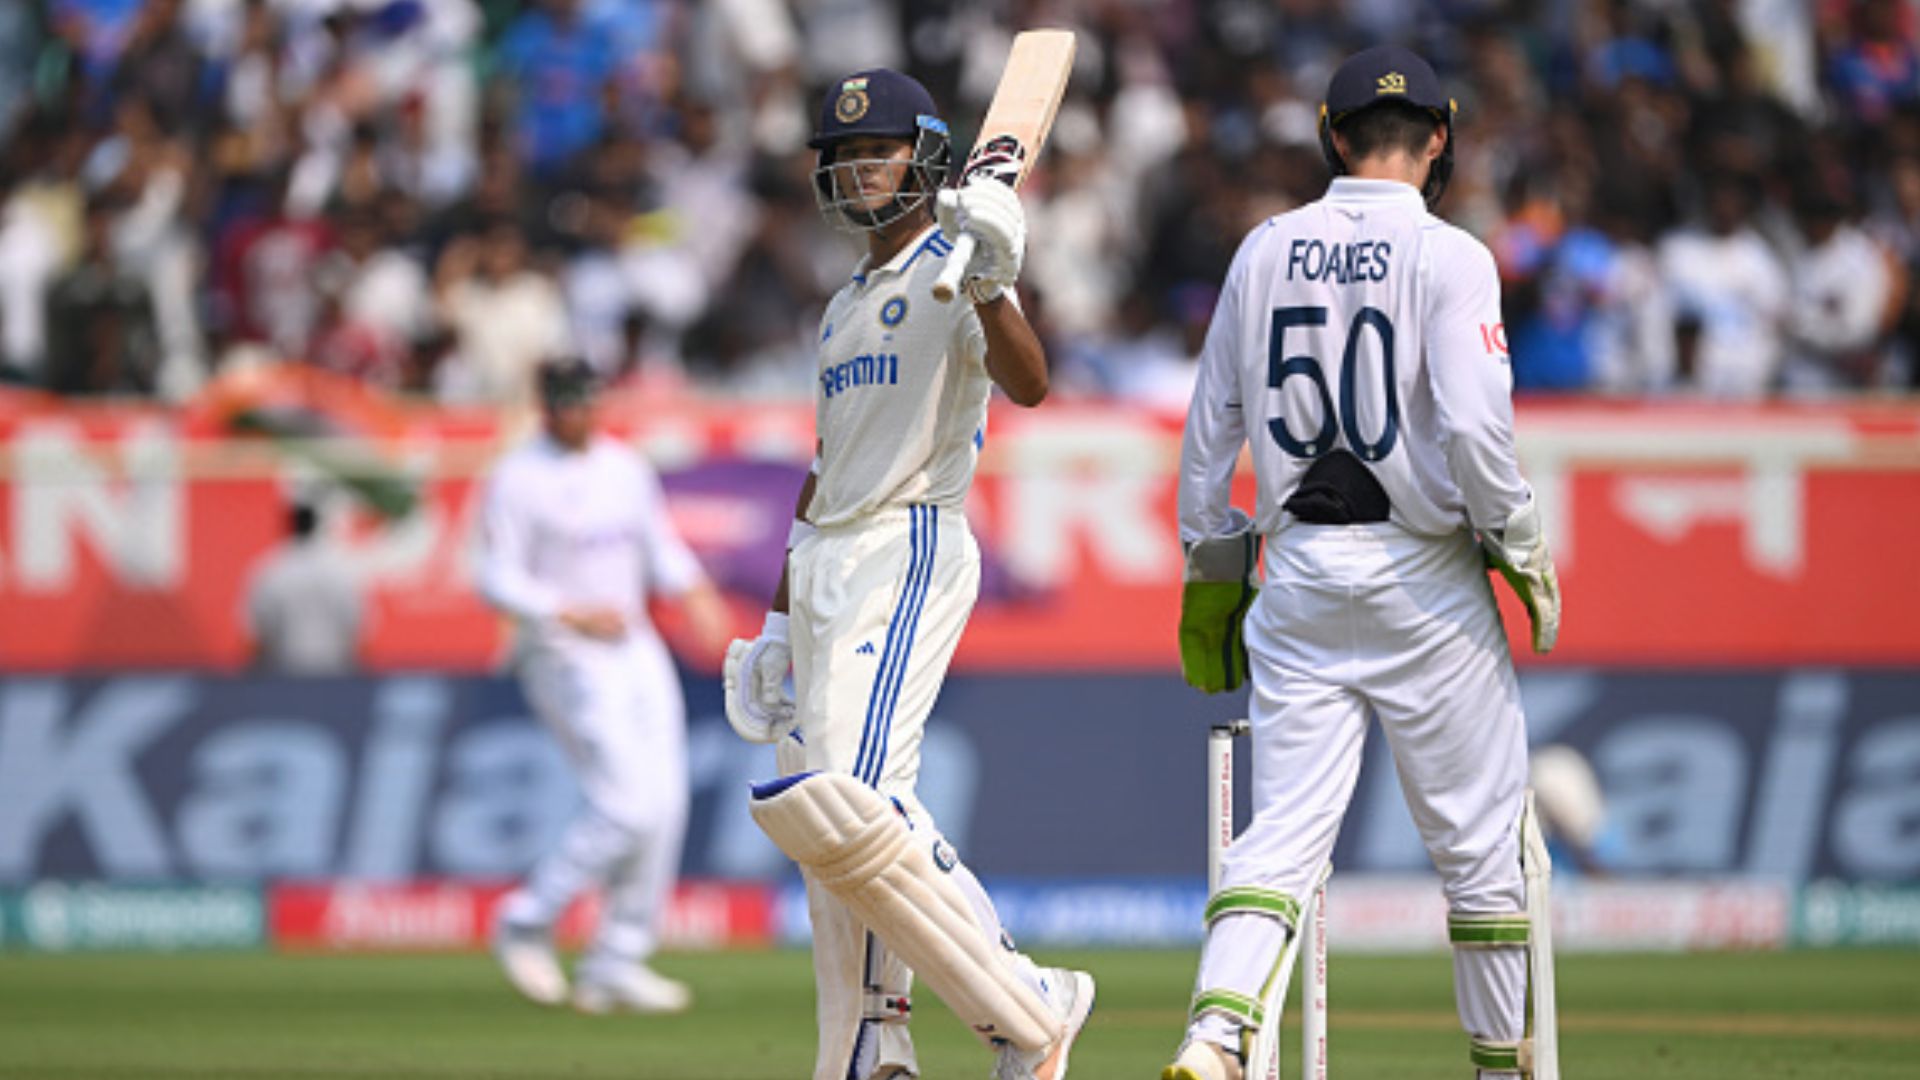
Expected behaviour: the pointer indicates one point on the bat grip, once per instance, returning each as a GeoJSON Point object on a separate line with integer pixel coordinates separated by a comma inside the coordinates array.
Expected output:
{"type": "Point", "coordinates": [948, 283]}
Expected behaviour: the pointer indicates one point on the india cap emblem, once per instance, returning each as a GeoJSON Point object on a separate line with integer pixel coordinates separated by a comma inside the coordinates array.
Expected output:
{"type": "Point", "coordinates": [1392, 83]}
{"type": "Point", "coordinates": [852, 103]}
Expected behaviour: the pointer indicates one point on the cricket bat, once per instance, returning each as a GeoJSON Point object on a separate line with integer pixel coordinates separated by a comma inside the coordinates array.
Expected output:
{"type": "Point", "coordinates": [1014, 130]}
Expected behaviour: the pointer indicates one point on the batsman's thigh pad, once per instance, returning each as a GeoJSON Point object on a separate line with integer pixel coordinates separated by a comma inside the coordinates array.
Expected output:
{"type": "Point", "coordinates": [857, 845]}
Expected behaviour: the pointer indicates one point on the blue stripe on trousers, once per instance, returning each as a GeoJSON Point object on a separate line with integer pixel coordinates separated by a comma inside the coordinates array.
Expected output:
{"type": "Point", "coordinates": [870, 758]}
{"type": "Point", "coordinates": [931, 529]}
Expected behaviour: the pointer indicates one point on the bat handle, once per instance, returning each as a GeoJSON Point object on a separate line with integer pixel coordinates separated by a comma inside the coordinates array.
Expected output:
{"type": "Point", "coordinates": [948, 283]}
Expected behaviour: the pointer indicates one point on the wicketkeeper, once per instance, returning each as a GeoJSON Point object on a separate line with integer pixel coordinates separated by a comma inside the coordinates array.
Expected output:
{"type": "Point", "coordinates": [1358, 348]}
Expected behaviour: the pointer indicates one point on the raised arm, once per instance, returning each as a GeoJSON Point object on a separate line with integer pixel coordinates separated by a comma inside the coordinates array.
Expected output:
{"type": "Point", "coordinates": [1016, 361]}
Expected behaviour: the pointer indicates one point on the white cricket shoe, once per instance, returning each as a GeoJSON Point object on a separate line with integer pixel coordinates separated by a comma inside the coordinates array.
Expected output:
{"type": "Point", "coordinates": [1070, 994]}
{"type": "Point", "coordinates": [630, 988]}
{"type": "Point", "coordinates": [526, 956]}
{"type": "Point", "coordinates": [1201, 1060]}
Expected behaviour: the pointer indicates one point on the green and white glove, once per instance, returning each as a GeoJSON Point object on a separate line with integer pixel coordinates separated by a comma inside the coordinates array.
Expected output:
{"type": "Point", "coordinates": [1218, 589]}
{"type": "Point", "coordinates": [1520, 553]}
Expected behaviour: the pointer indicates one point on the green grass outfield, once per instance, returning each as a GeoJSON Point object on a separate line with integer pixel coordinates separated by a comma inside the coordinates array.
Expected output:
{"type": "Point", "coordinates": [1826, 1015]}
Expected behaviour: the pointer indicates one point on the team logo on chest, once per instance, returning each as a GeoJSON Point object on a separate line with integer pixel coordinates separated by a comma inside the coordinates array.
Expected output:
{"type": "Point", "coordinates": [893, 312]}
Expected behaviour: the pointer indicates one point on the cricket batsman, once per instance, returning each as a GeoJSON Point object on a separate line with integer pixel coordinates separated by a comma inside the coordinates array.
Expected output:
{"type": "Point", "coordinates": [881, 574]}
{"type": "Point", "coordinates": [1358, 348]}
{"type": "Point", "coordinates": [575, 539]}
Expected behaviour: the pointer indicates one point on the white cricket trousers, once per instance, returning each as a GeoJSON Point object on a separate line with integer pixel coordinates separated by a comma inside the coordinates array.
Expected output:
{"type": "Point", "coordinates": [617, 711]}
{"type": "Point", "coordinates": [877, 609]}
{"type": "Point", "coordinates": [1362, 621]}
{"type": "Point", "coordinates": [878, 606]}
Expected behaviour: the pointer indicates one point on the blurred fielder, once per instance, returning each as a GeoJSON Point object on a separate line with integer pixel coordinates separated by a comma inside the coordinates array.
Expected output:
{"type": "Point", "coordinates": [881, 574]}
{"type": "Point", "coordinates": [1358, 346]}
{"type": "Point", "coordinates": [576, 538]}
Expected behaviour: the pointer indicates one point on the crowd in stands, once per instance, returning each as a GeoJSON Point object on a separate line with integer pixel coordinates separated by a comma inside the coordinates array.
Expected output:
{"type": "Point", "coordinates": [1714, 198]}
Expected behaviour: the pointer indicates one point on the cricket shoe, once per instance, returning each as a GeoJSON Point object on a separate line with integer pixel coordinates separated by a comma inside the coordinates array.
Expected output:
{"type": "Point", "coordinates": [1070, 995]}
{"type": "Point", "coordinates": [630, 988]}
{"type": "Point", "coordinates": [526, 956]}
{"type": "Point", "coordinates": [1201, 1060]}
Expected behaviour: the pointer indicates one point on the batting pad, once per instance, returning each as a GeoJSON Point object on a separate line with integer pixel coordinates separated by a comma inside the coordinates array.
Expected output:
{"type": "Point", "coordinates": [857, 845]}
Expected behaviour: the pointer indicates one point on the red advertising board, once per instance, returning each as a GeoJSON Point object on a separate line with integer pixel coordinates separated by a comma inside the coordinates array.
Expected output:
{"type": "Point", "coordinates": [427, 916]}
{"type": "Point", "coordinates": [1685, 534]}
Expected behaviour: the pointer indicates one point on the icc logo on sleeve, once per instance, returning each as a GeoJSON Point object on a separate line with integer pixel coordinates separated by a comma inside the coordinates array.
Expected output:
{"type": "Point", "coordinates": [1493, 337]}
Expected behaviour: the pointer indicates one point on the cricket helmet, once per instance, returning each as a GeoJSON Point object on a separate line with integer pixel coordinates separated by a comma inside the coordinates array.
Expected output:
{"type": "Point", "coordinates": [1388, 74]}
{"type": "Point", "coordinates": [884, 104]}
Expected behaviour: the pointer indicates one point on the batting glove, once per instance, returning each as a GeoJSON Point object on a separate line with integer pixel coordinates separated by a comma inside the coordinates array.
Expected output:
{"type": "Point", "coordinates": [759, 705]}
{"type": "Point", "coordinates": [1218, 591]}
{"type": "Point", "coordinates": [991, 212]}
{"type": "Point", "coordinates": [1520, 553]}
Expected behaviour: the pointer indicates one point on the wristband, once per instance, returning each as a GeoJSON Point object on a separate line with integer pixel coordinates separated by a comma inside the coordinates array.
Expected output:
{"type": "Point", "coordinates": [981, 291]}
{"type": "Point", "coordinates": [775, 626]}
{"type": "Point", "coordinates": [802, 528]}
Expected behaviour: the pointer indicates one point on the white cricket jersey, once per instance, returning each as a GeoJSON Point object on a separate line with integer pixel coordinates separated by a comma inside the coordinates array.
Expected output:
{"type": "Point", "coordinates": [567, 529]}
{"type": "Point", "coordinates": [1363, 322]}
{"type": "Point", "coordinates": [901, 401]}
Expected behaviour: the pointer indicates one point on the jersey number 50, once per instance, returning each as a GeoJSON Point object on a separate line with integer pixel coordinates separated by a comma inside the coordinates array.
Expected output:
{"type": "Point", "coordinates": [1280, 366]}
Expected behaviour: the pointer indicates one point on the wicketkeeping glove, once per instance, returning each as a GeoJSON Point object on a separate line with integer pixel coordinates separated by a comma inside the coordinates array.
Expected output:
{"type": "Point", "coordinates": [991, 211]}
{"type": "Point", "coordinates": [1520, 553]}
{"type": "Point", "coordinates": [759, 705]}
{"type": "Point", "coordinates": [1219, 589]}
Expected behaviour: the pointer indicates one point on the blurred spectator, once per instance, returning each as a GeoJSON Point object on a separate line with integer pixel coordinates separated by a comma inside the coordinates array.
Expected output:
{"type": "Point", "coordinates": [160, 67]}
{"type": "Point", "coordinates": [265, 274]}
{"type": "Point", "coordinates": [1722, 277]}
{"type": "Point", "coordinates": [1631, 339]}
{"type": "Point", "coordinates": [378, 303]}
{"type": "Point", "coordinates": [1155, 364]}
{"type": "Point", "coordinates": [1897, 226]}
{"type": "Point", "coordinates": [31, 255]}
{"type": "Point", "coordinates": [507, 315]}
{"type": "Point", "coordinates": [147, 165]}
{"type": "Point", "coordinates": [1077, 266]}
{"type": "Point", "coordinates": [1876, 67]}
{"type": "Point", "coordinates": [560, 67]}
{"type": "Point", "coordinates": [21, 33]}
{"type": "Point", "coordinates": [101, 315]}
{"type": "Point", "coordinates": [304, 608]}
{"type": "Point", "coordinates": [96, 30]}
{"type": "Point", "coordinates": [1845, 291]}
{"type": "Point", "coordinates": [598, 293]}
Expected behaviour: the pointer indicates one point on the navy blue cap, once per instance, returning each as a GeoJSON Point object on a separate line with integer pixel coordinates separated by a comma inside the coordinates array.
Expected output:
{"type": "Point", "coordinates": [875, 102]}
{"type": "Point", "coordinates": [567, 381]}
{"type": "Point", "coordinates": [1385, 73]}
